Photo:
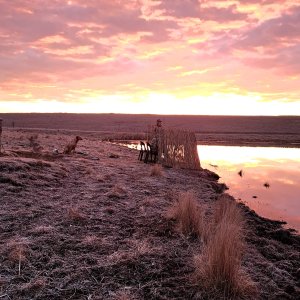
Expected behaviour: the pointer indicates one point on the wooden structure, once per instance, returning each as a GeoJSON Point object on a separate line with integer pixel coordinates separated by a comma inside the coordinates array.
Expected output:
{"type": "Point", "coordinates": [178, 148]}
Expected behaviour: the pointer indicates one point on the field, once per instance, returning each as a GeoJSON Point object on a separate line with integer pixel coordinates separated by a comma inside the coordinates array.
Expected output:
{"type": "Point", "coordinates": [94, 225]}
{"type": "Point", "coordinates": [210, 130]}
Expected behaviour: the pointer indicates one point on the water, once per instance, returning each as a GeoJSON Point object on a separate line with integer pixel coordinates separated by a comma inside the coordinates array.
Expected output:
{"type": "Point", "coordinates": [270, 181]}
{"type": "Point", "coordinates": [270, 178]}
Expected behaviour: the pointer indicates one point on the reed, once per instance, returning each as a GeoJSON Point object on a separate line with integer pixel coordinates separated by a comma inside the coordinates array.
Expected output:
{"type": "Point", "coordinates": [226, 210]}
{"type": "Point", "coordinates": [218, 268]}
{"type": "Point", "coordinates": [187, 213]}
{"type": "Point", "coordinates": [178, 148]}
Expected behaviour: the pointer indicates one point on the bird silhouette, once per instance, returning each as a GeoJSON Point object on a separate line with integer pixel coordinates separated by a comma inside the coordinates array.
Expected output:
{"type": "Point", "coordinates": [241, 173]}
{"type": "Point", "coordinates": [266, 185]}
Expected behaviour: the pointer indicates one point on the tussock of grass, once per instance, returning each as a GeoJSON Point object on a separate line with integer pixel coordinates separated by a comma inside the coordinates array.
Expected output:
{"type": "Point", "coordinates": [227, 210]}
{"type": "Point", "coordinates": [36, 284]}
{"type": "Point", "coordinates": [117, 191]}
{"type": "Point", "coordinates": [187, 213]}
{"type": "Point", "coordinates": [17, 254]}
{"type": "Point", "coordinates": [156, 170]}
{"type": "Point", "coordinates": [124, 295]}
{"type": "Point", "coordinates": [142, 247]}
{"type": "Point", "coordinates": [35, 144]}
{"type": "Point", "coordinates": [100, 178]}
{"type": "Point", "coordinates": [89, 171]}
{"type": "Point", "coordinates": [42, 229]}
{"type": "Point", "coordinates": [18, 249]}
{"type": "Point", "coordinates": [92, 241]}
{"type": "Point", "coordinates": [218, 269]}
{"type": "Point", "coordinates": [75, 214]}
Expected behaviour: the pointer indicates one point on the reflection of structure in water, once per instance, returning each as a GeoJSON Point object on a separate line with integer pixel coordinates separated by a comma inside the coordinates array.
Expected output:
{"type": "Point", "coordinates": [178, 148]}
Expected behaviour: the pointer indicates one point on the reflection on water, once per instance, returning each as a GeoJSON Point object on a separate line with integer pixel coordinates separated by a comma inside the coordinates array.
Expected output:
{"type": "Point", "coordinates": [270, 178]}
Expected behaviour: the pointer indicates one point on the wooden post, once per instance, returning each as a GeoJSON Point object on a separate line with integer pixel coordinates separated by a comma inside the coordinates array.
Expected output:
{"type": "Point", "coordinates": [0, 134]}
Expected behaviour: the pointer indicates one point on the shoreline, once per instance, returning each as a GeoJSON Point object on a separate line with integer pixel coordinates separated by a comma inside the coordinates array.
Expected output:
{"type": "Point", "coordinates": [104, 136]}
{"type": "Point", "coordinates": [209, 139]}
{"type": "Point", "coordinates": [99, 212]}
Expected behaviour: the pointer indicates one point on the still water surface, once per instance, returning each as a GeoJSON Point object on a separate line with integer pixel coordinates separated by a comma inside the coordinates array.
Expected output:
{"type": "Point", "coordinates": [270, 181]}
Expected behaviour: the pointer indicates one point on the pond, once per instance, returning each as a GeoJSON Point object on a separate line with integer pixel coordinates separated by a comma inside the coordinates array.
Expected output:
{"type": "Point", "coordinates": [265, 178]}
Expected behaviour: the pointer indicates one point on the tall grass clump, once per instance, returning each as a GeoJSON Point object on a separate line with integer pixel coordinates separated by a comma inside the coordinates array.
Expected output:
{"type": "Point", "coordinates": [156, 170]}
{"type": "Point", "coordinates": [218, 269]}
{"type": "Point", "coordinates": [226, 210]}
{"type": "Point", "coordinates": [187, 213]}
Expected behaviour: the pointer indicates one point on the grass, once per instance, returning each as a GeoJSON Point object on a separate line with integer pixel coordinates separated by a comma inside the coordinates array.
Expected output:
{"type": "Point", "coordinates": [156, 170]}
{"type": "Point", "coordinates": [227, 211]}
{"type": "Point", "coordinates": [124, 295]}
{"type": "Point", "coordinates": [218, 268]}
{"type": "Point", "coordinates": [187, 213]}
{"type": "Point", "coordinates": [118, 191]}
{"type": "Point", "coordinates": [75, 214]}
{"type": "Point", "coordinates": [18, 250]}
{"type": "Point", "coordinates": [33, 285]}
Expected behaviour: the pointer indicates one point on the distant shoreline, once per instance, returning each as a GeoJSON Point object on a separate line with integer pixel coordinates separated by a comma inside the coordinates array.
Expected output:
{"type": "Point", "coordinates": [209, 139]}
{"type": "Point", "coordinates": [139, 123]}
{"type": "Point", "coordinates": [253, 131]}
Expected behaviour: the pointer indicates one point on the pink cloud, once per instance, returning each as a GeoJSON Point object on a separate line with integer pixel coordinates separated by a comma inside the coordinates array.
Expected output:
{"type": "Point", "coordinates": [274, 43]}
{"type": "Point", "coordinates": [276, 31]}
{"type": "Point", "coordinates": [61, 42]}
{"type": "Point", "coordinates": [221, 15]}
{"type": "Point", "coordinates": [285, 61]}
{"type": "Point", "coordinates": [193, 9]}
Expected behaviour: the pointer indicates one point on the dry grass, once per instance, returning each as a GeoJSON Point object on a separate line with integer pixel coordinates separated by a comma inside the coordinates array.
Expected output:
{"type": "Point", "coordinates": [227, 210]}
{"type": "Point", "coordinates": [218, 269]}
{"type": "Point", "coordinates": [18, 251]}
{"type": "Point", "coordinates": [42, 229]}
{"type": "Point", "coordinates": [124, 136]}
{"type": "Point", "coordinates": [143, 247]}
{"type": "Point", "coordinates": [156, 170]}
{"type": "Point", "coordinates": [17, 254]}
{"type": "Point", "coordinates": [187, 213]}
{"type": "Point", "coordinates": [179, 148]}
{"type": "Point", "coordinates": [92, 242]}
{"type": "Point", "coordinates": [118, 191]}
{"type": "Point", "coordinates": [75, 214]}
{"type": "Point", "coordinates": [124, 295]}
{"type": "Point", "coordinates": [89, 171]}
{"type": "Point", "coordinates": [36, 284]}
{"type": "Point", "coordinates": [100, 178]}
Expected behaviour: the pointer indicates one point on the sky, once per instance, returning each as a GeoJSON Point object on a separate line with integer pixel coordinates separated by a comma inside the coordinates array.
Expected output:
{"type": "Point", "coordinates": [206, 57]}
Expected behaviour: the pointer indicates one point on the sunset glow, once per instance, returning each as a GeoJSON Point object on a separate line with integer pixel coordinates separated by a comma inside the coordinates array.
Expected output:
{"type": "Point", "coordinates": [150, 56]}
{"type": "Point", "coordinates": [279, 167]}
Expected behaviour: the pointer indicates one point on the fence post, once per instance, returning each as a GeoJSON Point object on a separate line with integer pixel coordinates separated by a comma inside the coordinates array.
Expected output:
{"type": "Point", "coordinates": [0, 134]}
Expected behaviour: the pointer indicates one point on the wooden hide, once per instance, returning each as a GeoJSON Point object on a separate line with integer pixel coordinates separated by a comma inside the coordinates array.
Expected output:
{"type": "Point", "coordinates": [178, 148]}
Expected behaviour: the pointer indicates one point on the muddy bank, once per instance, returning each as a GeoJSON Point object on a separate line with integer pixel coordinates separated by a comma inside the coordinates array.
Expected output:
{"type": "Point", "coordinates": [92, 225]}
